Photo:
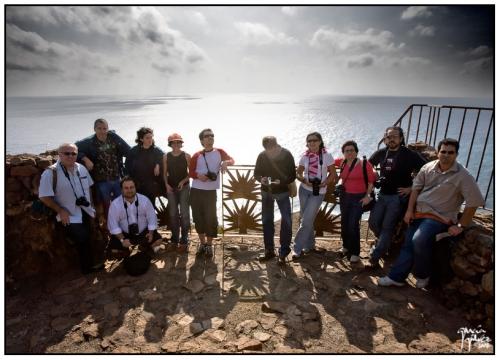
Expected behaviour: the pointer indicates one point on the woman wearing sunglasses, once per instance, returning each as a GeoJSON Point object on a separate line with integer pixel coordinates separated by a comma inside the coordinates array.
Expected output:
{"type": "Point", "coordinates": [315, 171]}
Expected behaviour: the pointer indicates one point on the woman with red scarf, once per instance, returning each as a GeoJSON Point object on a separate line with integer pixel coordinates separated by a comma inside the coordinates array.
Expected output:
{"type": "Point", "coordinates": [315, 171]}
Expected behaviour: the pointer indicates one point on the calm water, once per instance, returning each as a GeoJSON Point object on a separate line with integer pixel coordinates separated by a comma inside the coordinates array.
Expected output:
{"type": "Point", "coordinates": [239, 121]}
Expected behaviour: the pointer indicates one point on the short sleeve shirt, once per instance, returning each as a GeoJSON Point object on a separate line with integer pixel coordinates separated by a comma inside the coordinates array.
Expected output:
{"type": "Point", "coordinates": [213, 162]}
{"type": "Point", "coordinates": [442, 193]}
{"type": "Point", "coordinates": [327, 161]}
{"type": "Point", "coordinates": [67, 190]}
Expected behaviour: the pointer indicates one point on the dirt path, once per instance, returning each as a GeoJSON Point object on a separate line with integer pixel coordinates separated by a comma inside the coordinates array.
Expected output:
{"type": "Point", "coordinates": [322, 304]}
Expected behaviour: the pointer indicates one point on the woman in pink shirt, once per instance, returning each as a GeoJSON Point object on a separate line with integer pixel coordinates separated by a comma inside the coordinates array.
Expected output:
{"type": "Point", "coordinates": [355, 195]}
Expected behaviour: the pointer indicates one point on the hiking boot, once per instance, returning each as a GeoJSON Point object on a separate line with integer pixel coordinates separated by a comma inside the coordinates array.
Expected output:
{"type": "Point", "coordinates": [209, 251]}
{"type": "Point", "coordinates": [354, 258]}
{"type": "Point", "coordinates": [421, 283]}
{"type": "Point", "coordinates": [266, 256]}
{"type": "Point", "coordinates": [387, 281]}
{"type": "Point", "coordinates": [182, 248]}
{"type": "Point", "coordinates": [296, 257]}
{"type": "Point", "coordinates": [201, 250]}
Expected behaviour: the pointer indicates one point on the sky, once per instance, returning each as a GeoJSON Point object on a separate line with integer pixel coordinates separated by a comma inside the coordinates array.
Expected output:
{"type": "Point", "coordinates": [188, 50]}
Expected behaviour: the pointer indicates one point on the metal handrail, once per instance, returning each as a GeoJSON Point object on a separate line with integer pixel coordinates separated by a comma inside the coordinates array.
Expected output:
{"type": "Point", "coordinates": [434, 132]}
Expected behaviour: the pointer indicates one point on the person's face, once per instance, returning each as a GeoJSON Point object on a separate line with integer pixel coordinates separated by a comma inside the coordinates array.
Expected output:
{"type": "Point", "coordinates": [147, 140]}
{"type": "Point", "coordinates": [447, 155]}
{"type": "Point", "coordinates": [176, 145]}
{"type": "Point", "coordinates": [67, 155]}
{"type": "Point", "coordinates": [208, 139]}
{"type": "Point", "coordinates": [313, 143]}
{"type": "Point", "coordinates": [350, 152]}
{"type": "Point", "coordinates": [101, 130]}
{"type": "Point", "coordinates": [392, 139]}
{"type": "Point", "coordinates": [128, 189]}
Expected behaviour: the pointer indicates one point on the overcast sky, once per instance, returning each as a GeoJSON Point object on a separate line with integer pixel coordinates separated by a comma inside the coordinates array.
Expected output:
{"type": "Point", "coordinates": [187, 50]}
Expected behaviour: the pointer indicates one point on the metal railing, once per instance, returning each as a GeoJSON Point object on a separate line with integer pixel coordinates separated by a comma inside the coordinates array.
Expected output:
{"type": "Point", "coordinates": [471, 126]}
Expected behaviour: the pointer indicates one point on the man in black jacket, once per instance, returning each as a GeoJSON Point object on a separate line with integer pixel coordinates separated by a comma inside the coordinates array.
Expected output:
{"type": "Point", "coordinates": [275, 170]}
{"type": "Point", "coordinates": [102, 154]}
{"type": "Point", "coordinates": [397, 164]}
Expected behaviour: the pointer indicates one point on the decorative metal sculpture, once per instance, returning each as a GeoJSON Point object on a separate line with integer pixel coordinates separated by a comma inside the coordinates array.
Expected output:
{"type": "Point", "coordinates": [242, 218]}
{"type": "Point", "coordinates": [241, 186]}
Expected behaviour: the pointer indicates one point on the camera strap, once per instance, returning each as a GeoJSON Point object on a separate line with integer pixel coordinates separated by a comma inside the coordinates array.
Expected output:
{"type": "Point", "coordinates": [66, 174]}
{"type": "Point", "coordinates": [206, 163]}
{"type": "Point", "coordinates": [350, 168]}
{"type": "Point", "coordinates": [136, 209]}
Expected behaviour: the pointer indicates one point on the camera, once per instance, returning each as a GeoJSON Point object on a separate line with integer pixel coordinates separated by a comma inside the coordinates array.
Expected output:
{"type": "Point", "coordinates": [339, 190]}
{"type": "Point", "coordinates": [315, 184]}
{"type": "Point", "coordinates": [82, 201]}
{"type": "Point", "coordinates": [380, 182]}
{"type": "Point", "coordinates": [211, 176]}
{"type": "Point", "coordinates": [133, 229]}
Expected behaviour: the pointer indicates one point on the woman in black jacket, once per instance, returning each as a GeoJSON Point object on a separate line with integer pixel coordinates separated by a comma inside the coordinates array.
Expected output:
{"type": "Point", "coordinates": [144, 163]}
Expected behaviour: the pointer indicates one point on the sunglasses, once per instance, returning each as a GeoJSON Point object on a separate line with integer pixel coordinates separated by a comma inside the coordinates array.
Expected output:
{"type": "Point", "coordinates": [313, 140]}
{"type": "Point", "coordinates": [70, 153]}
{"type": "Point", "coordinates": [444, 152]}
{"type": "Point", "coordinates": [208, 135]}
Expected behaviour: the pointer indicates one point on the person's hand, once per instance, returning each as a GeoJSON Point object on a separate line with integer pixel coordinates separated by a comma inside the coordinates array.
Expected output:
{"type": "Point", "coordinates": [64, 215]}
{"type": "Point", "coordinates": [202, 177]}
{"type": "Point", "coordinates": [181, 184]}
{"type": "Point", "coordinates": [365, 200]}
{"type": "Point", "coordinates": [157, 170]}
{"type": "Point", "coordinates": [455, 230]}
{"type": "Point", "coordinates": [409, 216]}
{"type": "Point", "coordinates": [223, 167]}
{"type": "Point", "coordinates": [264, 180]}
{"type": "Point", "coordinates": [169, 189]}
{"type": "Point", "coordinates": [88, 163]}
{"type": "Point", "coordinates": [404, 191]}
{"type": "Point", "coordinates": [126, 243]}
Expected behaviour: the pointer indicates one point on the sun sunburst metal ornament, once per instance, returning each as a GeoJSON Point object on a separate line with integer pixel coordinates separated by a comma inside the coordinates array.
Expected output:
{"type": "Point", "coordinates": [241, 186]}
{"type": "Point", "coordinates": [242, 217]}
{"type": "Point", "coordinates": [326, 221]}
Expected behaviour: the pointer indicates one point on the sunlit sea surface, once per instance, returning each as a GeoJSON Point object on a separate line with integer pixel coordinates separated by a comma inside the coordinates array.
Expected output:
{"type": "Point", "coordinates": [37, 124]}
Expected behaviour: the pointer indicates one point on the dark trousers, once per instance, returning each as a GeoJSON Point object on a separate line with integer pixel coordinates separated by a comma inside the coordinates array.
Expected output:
{"type": "Point", "coordinates": [204, 207]}
{"type": "Point", "coordinates": [351, 211]}
{"type": "Point", "coordinates": [140, 239]}
{"type": "Point", "coordinates": [80, 236]}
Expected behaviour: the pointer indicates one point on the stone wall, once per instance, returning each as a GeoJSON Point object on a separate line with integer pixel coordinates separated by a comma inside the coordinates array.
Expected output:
{"type": "Point", "coordinates": [34, 244]}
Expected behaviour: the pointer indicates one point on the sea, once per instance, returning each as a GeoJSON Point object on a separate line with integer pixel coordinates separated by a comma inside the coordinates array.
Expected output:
{"type": "Point", "coordinates": [239, 121]}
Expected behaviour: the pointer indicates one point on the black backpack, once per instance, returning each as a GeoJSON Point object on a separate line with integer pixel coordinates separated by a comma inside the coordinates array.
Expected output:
{"type": "Point", "coordinates": [137, 264]}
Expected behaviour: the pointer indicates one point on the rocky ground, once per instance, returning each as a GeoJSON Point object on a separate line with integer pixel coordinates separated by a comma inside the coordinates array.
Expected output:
{"type": "Point", "coordinates": [231, 304]}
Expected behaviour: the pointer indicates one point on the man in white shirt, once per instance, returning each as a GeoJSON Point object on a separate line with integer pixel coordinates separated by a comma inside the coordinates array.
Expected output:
{"type": "Point", "coordinates": [69, 196]}
{"type": "Point", "coordinates": [132, 219]}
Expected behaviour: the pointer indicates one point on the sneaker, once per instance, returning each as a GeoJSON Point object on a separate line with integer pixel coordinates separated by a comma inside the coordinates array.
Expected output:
{"type": "Point", "coordinates": [266, 256]}
{"type": "Point", "coordinates": [343, 250]}
{"type": "Point", "coordinates": [421, 283]}
{"type": "Point", "coordinates": [201, 250]}
{"type": "Point", "coordinates": [209, 252]}
{"type": "Point", "coordinates": [387, 281]}
{"type": "Point", "coordinates": [182, 248]}
{"type": "Point", "coordinates": [282, 260]}
{"type": "Point", "coordinates": [306, 251]}
{"type": "Point", "coordinates": [354, 258]}
{"type": "Point", "coordinates": [296, 257]}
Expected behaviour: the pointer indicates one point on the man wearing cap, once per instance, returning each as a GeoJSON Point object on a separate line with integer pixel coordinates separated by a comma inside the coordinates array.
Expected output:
{"type": "Point", "coordinates": [205, 167]}
{"type": "Point", "coordinates": [176, 176]}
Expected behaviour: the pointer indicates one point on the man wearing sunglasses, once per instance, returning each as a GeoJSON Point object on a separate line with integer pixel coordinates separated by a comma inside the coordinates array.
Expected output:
{"type": "Point", "coordinates": [70, 199]}
{"type": "Point", "coordinates": [438, 192]}
{"type": "Point", "coordinates": [205, 167]}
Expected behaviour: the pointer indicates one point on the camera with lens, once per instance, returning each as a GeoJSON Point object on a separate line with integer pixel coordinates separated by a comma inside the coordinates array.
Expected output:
{"type": "Point", "coordinates": [82, 201]}
{"type": "Point", "coordinates": [133, 229]}
{"type": "Point", "coordinates": [380, 182]}
{"type": "Point", "coordinates": [315, 185]}
{"type": "Point", "coordinates": [339, 190]}
{"type": "Point", "coordinates": [211, 176]}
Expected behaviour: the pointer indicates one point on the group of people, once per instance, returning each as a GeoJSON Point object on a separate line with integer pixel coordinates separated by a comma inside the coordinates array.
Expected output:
{"type": "Point", "coordinates": [428, 196]}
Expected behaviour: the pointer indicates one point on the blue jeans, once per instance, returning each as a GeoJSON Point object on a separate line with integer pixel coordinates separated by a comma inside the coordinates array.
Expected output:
{"type": "Point", "coordinates": [417, 250]}
{"type": "Point", "coordinates": [178, 214]}
{"type": "Point", "coordinates": [351, 211]}
{"type": "Point", "coordinates": [108, 190]}
{"type": "Point", "coordinates": [283, 201]}
{"type": "Point", "coordinates": [309, 207]}
{"type": "Point", "coordinates": [384, 217]}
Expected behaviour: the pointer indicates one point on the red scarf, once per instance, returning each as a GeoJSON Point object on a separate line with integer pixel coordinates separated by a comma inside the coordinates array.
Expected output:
{"type": "Point", "coordinates": [313, 169]}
